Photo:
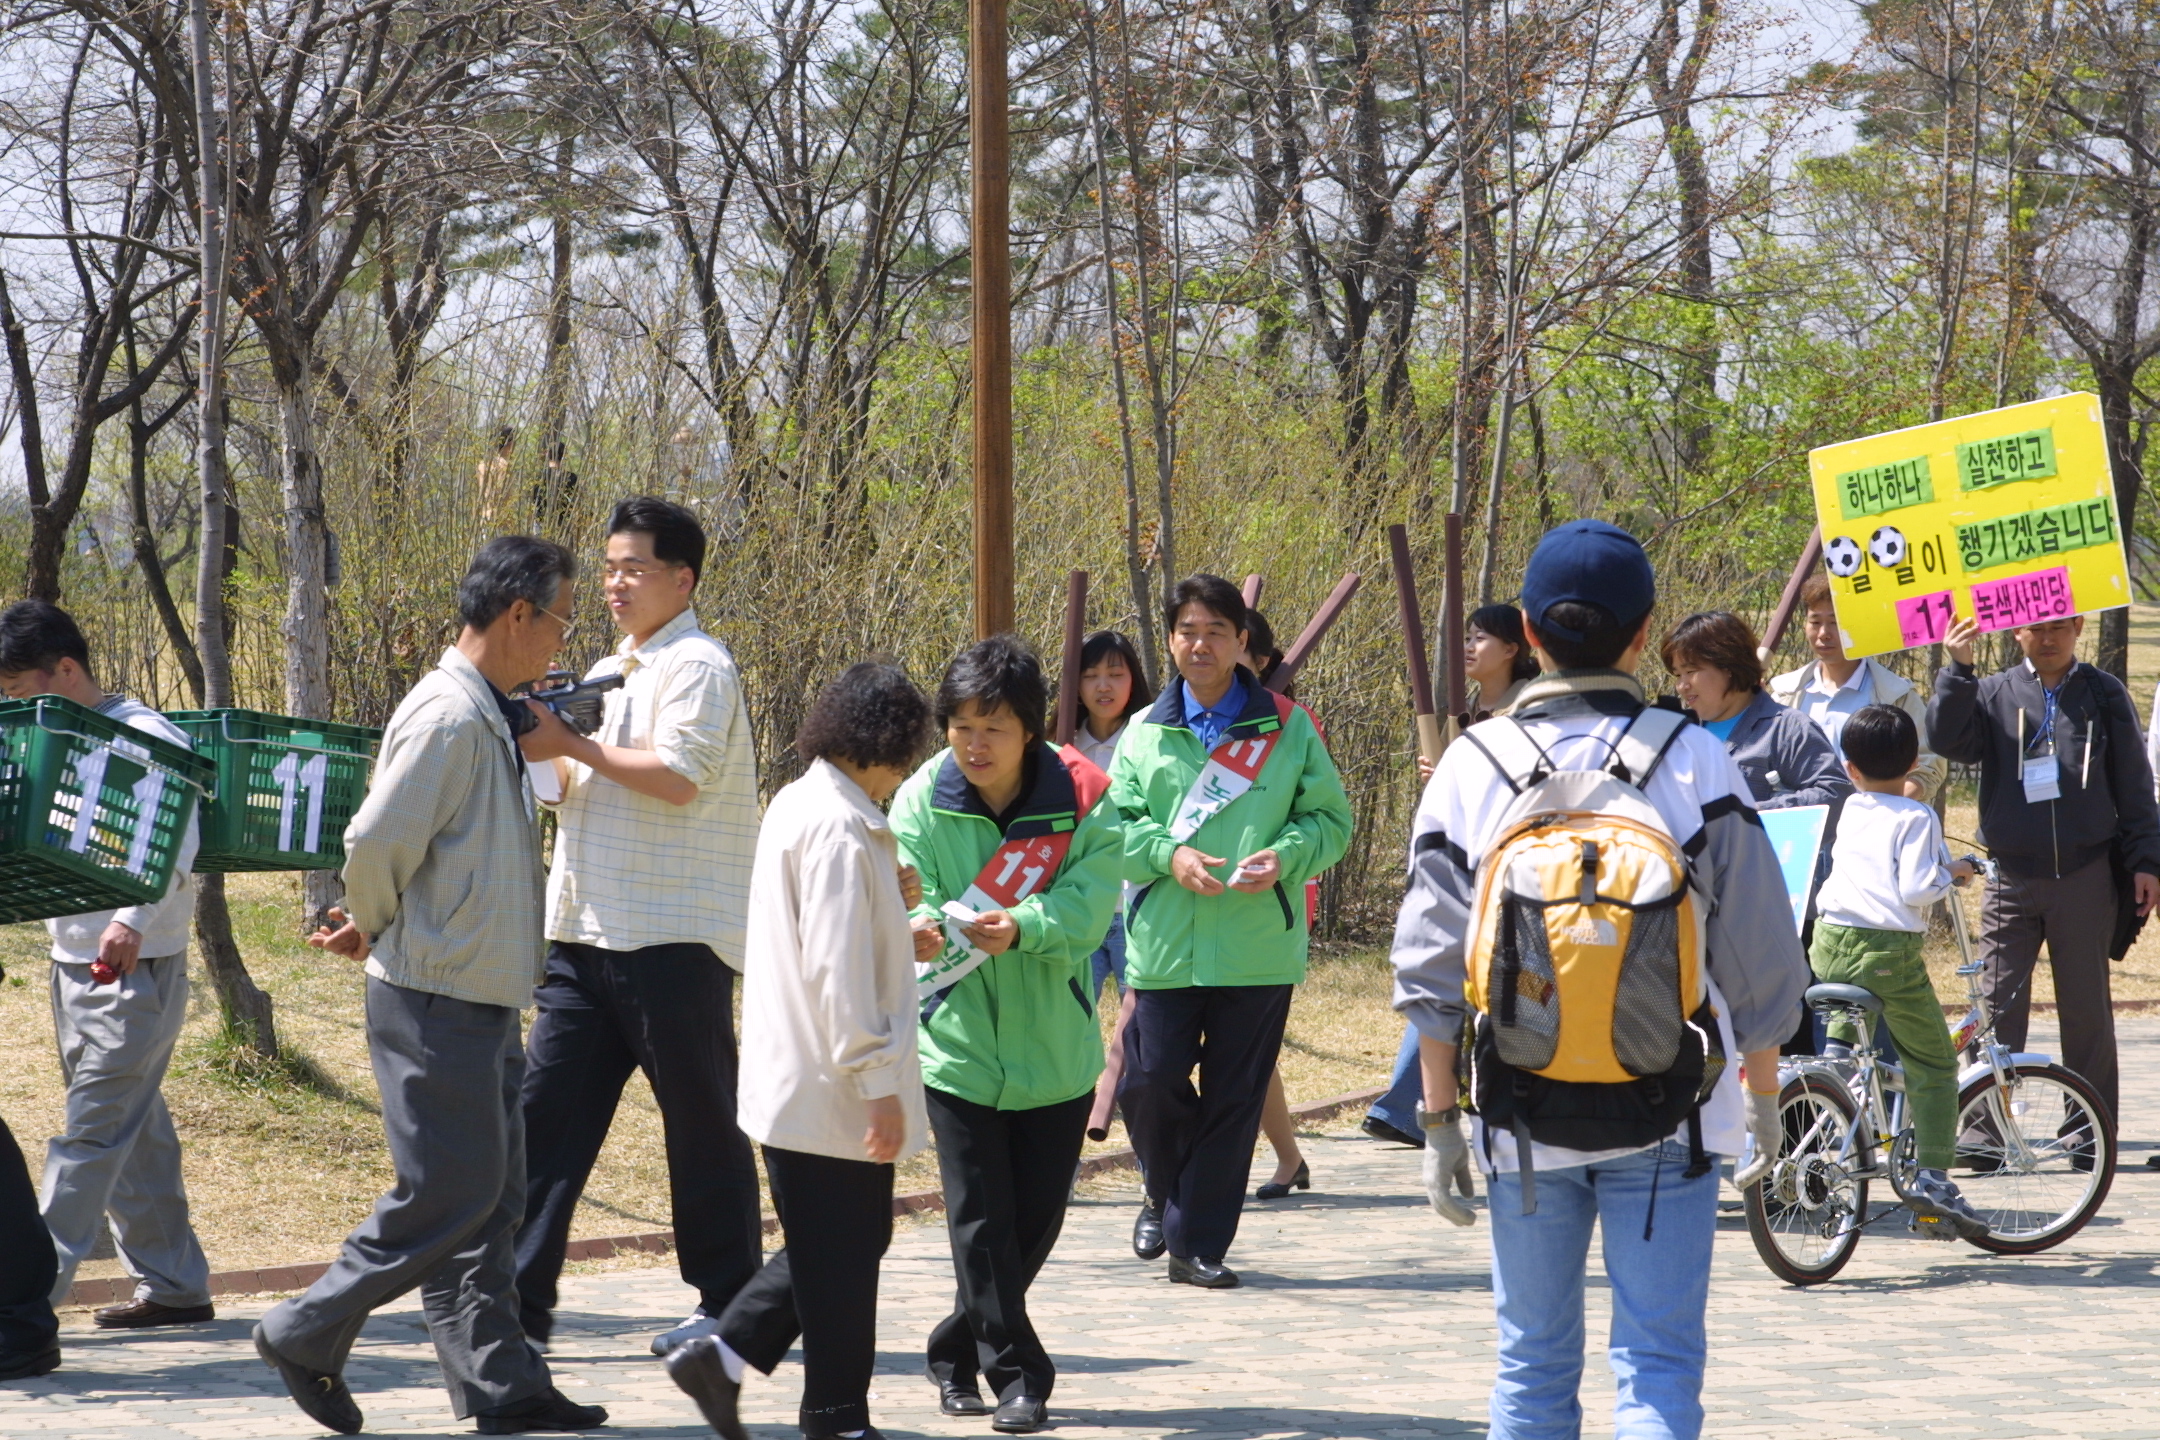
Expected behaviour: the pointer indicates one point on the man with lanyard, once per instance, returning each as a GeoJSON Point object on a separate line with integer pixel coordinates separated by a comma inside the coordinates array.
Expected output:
{"type": "Point", "coordinates": [2066, 800]}
{"type": "Point", "coordinates": [647, 899]}
{"type": "Point", "coordinates": [1229, 802]}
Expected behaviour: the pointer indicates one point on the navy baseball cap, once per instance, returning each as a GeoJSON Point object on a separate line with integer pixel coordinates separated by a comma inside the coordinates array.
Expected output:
{"type": "Point", "coordinates": [1591, 563]}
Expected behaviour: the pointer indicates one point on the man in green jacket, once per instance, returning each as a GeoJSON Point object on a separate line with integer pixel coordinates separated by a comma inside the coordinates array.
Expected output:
{"type": "Point", "coordinates": [1024, 845]}
{"type": "Point", "coordinates": [1230, 803]}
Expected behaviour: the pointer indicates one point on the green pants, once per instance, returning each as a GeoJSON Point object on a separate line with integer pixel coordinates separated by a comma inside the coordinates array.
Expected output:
{"type": "Point", "coordinates": [1888, 963]}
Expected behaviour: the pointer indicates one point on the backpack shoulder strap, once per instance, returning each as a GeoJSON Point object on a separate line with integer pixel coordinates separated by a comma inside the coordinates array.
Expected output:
{"type": "Point", "coordinates": [1643, 744]}
{"type": "Point", "coordinates": [1517, 757]}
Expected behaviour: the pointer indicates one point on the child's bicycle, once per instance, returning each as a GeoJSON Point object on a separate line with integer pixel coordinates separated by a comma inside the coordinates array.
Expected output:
{"type": "Point", "coordinates": [2035, 1143]}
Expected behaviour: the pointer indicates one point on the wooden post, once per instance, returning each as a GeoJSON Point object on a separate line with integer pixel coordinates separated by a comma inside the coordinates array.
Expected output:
{"type": "Point", "coordinates": [1309, 638]}
{"type": "Point", "coordinates": [1413, 630]}
{"type": "Point", "coordinates": [1451, 627]}
{"type": "Point", "coordinates": [1068, 701]}
{"type": "Point", "coordinates": [1251, 590]}
{"type": "Point", "coordinates": [1810, 557]}
{"type": "Point", "coordinates": [990, 282]}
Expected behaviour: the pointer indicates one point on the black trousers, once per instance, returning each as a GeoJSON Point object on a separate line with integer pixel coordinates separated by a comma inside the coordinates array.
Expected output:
{"type": "Point", "coordinates": [1195, 1146]}
{"type": "Point", "coordinates": [2075, 916]}
{"type": "Point", "coordinates": [821, 1284]}
{"type": "Point", "coordinates": [666, 1010]}
{"type": "Point", "coordinates": [1008, 1175]}
{"type": "Point", "coordinates": [28, 1266]}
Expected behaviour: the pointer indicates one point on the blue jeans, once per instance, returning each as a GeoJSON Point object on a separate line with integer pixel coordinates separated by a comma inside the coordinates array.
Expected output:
{"type": "Point", "coordinates": [1406, 1088]}
{"type": "Point", "coordinates": [1109, 958]}
{"type": "Point", "coordinates": [1659, 1289]}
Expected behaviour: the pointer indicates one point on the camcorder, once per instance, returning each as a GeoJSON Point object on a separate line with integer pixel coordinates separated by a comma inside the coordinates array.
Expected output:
{"type": "Point", "coordinates": [577, 703]}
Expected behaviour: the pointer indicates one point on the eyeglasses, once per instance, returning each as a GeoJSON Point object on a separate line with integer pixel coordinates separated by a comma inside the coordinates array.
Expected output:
{"type": "Point", "coordinates": [634, 572]}
{"type": "Point", "coordinates": [569, 627]}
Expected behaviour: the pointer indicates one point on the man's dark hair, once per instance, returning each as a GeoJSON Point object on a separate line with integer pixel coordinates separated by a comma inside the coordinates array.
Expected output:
{"type": "Point", "coordinates": [1099, 647]}
{"type": "Point", "coordinates": [36, 635]}
{"type": "Point", "coordinates": [1210, 592]}
{"type": "Point", "coordinates": [1260, 643]}
{"type": "Point", "coordinates": [869, 714]}
{"type": "Point", "coordinates": [510, 568]}
{"type": "Point", "coordinates": [1882, 742]}
{"type": "Point", "coordinates": [1719, 639]}
{"type": "Point", "coordinates": [677, 538]}
{"type": "Point", "coordinates": [1504, 623]}
{"type": "Point", "coordinates": [1604, 640]}
{"type": "Point", "coordinates": [998, 671]}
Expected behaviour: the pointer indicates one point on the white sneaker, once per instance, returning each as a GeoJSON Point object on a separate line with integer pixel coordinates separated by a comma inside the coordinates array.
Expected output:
{"type": "Point", "coordinates": [694, 1325]}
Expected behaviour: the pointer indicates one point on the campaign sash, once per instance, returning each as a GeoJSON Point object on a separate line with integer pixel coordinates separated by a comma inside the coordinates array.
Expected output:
{"type": "Point", "coordinates": [1020, 866]}
{"type": "Point", "coordinates": [1230, 771]}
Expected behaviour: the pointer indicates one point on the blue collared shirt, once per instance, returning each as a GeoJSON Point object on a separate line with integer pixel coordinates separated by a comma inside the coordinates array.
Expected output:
{"type": "Point", "coordinates": [1210, 724]}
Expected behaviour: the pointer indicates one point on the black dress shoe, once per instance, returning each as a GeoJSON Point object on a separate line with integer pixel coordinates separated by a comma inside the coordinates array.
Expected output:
{"type": "Point", "coordinates": [1274, 1191]}
{"type": "Point", "coordinates": [1203, 1272]}
{"type": "Point", "coordinates": [143, 1314]}
{"type": "Point", "coordinates": [1021, 1415]}
{"type": "Point", "coordinates": [321, 1396]}
{"type": "Point", "coordinates": [548, 1410]}
{"type": "Point", "coordinates": [698, 1371]}
{"type": "Point", "coordinates": [1379, 1129]}
{"type": "Point", "coordinates": [1147, 1236]}
{"type": "Point", "coordinates": [23, 1365]}
{"type": "Point", "coordinates": [957, 1399]}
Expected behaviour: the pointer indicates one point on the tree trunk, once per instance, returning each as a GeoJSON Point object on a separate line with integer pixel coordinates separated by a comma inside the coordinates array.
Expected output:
{"type": "Point", "coordinates": [307, 596]}
{"type": "Point", "coordinates": [2117, 406]}
{"type": "Point", "coordinates": [555, 375]}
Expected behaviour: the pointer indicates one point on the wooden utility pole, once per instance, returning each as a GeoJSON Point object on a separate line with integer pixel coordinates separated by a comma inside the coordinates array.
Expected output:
{"type": "Point", "coordinates": [990, 276]}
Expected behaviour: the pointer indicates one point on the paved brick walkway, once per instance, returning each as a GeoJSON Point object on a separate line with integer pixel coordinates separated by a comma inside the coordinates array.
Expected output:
{"type": "Point", "coordinates": [1363, 1317]}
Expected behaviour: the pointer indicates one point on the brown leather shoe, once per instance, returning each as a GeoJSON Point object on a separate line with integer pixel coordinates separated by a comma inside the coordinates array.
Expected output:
{"type": "Point", "coordinates": [143, 1314]}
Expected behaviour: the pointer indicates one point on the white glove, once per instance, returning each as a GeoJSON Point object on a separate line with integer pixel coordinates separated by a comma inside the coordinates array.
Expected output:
{"type": "Point", "coordinates": [1767, 1127]}
{"type": "Point", "coordinates": [1447, 1161]}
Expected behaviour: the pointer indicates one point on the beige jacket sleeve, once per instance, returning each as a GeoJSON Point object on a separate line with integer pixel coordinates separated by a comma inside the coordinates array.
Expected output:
{"type": "Point", "coordinates": [421, 780]}
{"type": "Point", "coordinates": [837, 926]}
{"type": "Point", "coordinates": [1931, 771]}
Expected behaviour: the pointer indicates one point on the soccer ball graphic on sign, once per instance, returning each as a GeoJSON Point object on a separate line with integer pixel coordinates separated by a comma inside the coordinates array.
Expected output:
{"type": "Point", "coordinates": [1886, 547]}
{"type": "Point", "coordinates": [1842, 555]}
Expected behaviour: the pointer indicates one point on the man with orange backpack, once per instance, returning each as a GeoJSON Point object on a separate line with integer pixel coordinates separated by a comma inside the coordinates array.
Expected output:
{"type": "Point", "coordinates": [1596, 917]}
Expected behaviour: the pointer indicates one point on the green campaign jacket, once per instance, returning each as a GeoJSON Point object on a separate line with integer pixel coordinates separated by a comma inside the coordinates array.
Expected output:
{"type": "Point", "coordinates": [1296, 807]}
{"type": "Point", "coordinates": [1019, 1031]}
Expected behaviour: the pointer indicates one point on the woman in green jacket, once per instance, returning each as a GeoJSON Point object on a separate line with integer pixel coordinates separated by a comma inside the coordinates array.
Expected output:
{"type": "Point", "coordinates": [1016, 840]}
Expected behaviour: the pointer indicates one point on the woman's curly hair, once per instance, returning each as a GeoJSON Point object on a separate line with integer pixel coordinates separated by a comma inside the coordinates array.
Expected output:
{"type": "Point", "coordinates": [869, 714]}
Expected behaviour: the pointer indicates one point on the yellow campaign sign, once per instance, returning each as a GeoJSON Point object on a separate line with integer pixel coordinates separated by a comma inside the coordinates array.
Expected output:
{"type": "Point", "coordinates": [2008, 515]}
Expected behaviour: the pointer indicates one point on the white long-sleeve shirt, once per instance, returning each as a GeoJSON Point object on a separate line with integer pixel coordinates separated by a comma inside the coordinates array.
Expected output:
{"type": "Point", "coordinates": [829, 1009]}
{"type": "Point", "coordinates": [1887, 865]}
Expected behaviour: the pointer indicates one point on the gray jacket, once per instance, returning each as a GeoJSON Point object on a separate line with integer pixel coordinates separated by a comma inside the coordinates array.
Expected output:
{"type": "Point", "coordinates": [1786, 757]}
{"type": "Point", "coordinates": [1753, 952]}
{"type": "Point", "coordinates": [442, 862]}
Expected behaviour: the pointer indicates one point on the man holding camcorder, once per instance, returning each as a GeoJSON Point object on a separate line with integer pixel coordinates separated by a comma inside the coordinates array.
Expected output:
{"type": "Point", "coordinates": [646, 900]}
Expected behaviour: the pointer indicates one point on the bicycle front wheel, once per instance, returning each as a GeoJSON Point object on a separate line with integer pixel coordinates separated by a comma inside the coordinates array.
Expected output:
{"type": "Point", "coordinates": [2035, 1157]}
{"type": "Point", "coordinates": [1805, 1215]}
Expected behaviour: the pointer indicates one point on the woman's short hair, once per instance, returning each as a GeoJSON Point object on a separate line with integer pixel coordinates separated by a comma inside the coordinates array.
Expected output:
{"type": "Point", "coordinates": [869, 714]}
{"type": "Point", "coordinates": [998, 671]}
{"type": "Point", "coordinates": [1099, 647]}
{"type": "Point", "coordinates": [1719, 639]}
{"type": "Point", "coordinates": [1504, 623]}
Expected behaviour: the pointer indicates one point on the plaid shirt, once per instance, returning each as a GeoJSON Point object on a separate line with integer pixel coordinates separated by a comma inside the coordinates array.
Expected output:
{"type": "Point", "coordinates": [632, 871]}
{"type": "Point", "coordinates": [442, 862]}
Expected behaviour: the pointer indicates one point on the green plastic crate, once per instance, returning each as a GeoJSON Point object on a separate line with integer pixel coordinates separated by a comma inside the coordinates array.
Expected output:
{"type": "Point", "coordinates": [285, 788]}
{"type": "Point", "coordinates": [92, 812]}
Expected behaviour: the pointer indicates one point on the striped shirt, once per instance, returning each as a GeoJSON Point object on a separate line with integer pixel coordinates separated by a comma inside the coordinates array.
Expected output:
{"type": "Point", "coordinates": [630, 870]}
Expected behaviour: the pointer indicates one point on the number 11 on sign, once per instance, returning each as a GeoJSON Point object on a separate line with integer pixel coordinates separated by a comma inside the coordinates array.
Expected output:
{"type": "Point", "coordinates": [1924, 619]}
{"type": "Point", "coordinates": [295, 776]}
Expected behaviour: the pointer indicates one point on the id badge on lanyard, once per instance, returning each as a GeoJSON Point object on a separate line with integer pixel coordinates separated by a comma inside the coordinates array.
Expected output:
{"type": "Point", "coordinates": [2042, 773]}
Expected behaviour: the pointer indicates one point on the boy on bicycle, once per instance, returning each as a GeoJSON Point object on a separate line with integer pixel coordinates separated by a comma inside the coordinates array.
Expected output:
{"type": "Point", "coordinates": [1887, 865]}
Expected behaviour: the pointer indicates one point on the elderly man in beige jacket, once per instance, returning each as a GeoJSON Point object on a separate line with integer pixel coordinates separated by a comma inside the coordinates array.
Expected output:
{"type": "Point", "coordinates": [1831, 689]}
{"type": "Point", "coordinates": [444, 890]}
